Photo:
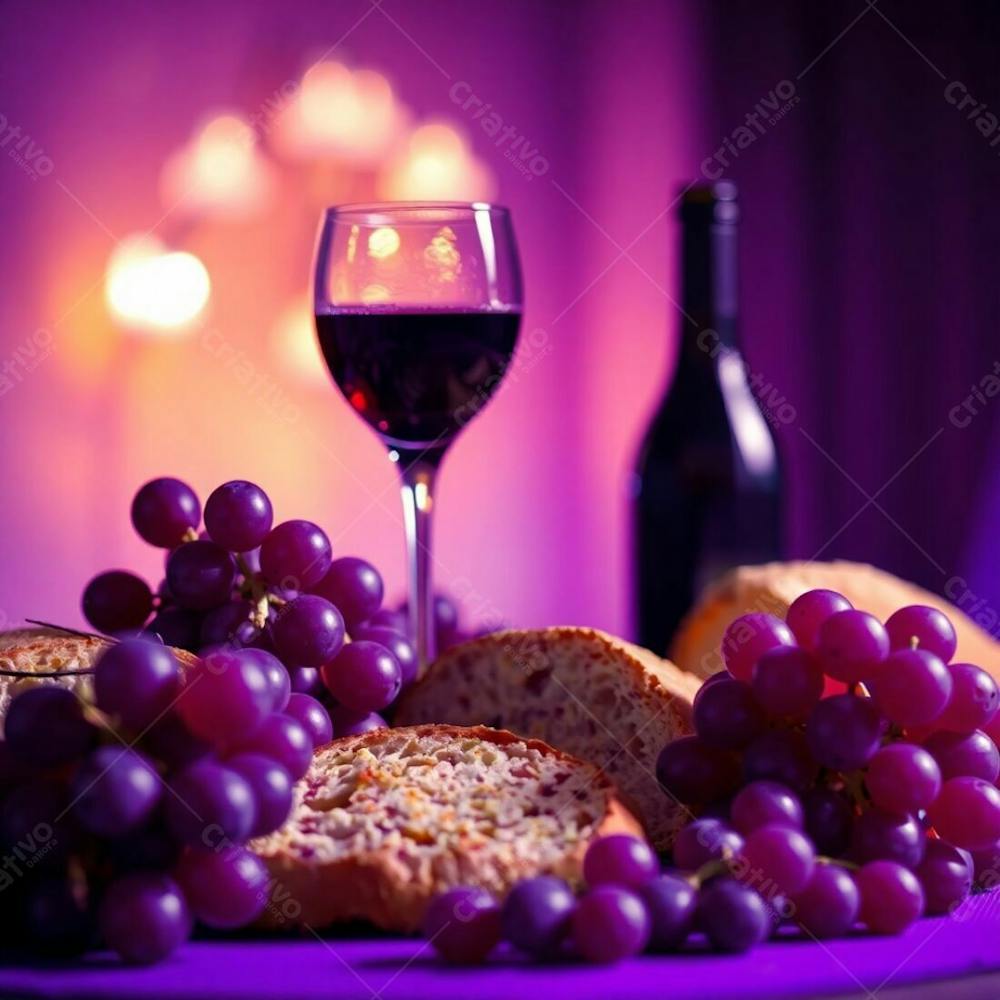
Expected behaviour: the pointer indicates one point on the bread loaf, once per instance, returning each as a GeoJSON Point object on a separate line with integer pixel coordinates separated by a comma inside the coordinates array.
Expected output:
{"type": "Point", "coordinates": [384, 821]}
{"type": "Point", "coordinates": [585, 692]}
{"type": "Point", "coordinates": [773, 587]}
{"type": "Point", "coordinates": [40, 650]}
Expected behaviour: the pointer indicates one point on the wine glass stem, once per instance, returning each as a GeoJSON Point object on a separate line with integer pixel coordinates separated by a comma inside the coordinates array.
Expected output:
{"type": "Point", "coordinates": [418, 501]}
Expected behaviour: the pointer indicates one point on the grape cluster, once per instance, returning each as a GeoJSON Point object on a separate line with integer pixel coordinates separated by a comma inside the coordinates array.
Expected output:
{"type": "Point", "coordinates": [629, 905]}
{"type": "Point", "coordinates": [623, 910]}
{"type": "Point", "coordinates": [841, 768]}
{"type": "Point", "coordinates": [124, 817]}
{"type": "Point", "coordinates": [245, 583]}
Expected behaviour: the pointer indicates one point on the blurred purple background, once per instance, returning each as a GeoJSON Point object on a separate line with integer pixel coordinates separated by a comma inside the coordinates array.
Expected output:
{"type": "Point", "coordinates": [869, 250]}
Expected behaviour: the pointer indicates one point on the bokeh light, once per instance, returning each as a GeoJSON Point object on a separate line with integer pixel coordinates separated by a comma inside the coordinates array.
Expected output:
{"type": "Point", "coordinates": [218, 171]}
{"type": "Point", "coordinates": [342, 114]}
{"type": "Point", "coordinates": [436, 163]}
{"type": "Point", "coordinates": [148, 287]}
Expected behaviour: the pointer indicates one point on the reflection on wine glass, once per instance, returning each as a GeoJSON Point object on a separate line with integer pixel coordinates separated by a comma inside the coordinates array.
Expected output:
{"type": "Point", "coordinates": [418, 307]}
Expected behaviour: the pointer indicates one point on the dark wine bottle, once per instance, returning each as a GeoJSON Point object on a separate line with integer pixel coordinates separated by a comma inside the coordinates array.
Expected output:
{"type": "Point", "coordinates": [707, 483]}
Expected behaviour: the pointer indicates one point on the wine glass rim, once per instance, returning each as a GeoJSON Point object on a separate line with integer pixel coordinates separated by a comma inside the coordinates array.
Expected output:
{"type": "Point", "coordinates": [403, 208]}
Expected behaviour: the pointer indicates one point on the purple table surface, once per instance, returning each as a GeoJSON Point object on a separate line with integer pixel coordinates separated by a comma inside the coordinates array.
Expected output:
{"type": "Point", "coordinates": [962, 950]}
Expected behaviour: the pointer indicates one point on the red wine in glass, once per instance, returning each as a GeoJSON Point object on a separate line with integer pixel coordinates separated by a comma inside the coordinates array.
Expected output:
{"type": "Point", "coordinates": [418, 376]}
{"type": "Point", "coordinates": [418, 306]}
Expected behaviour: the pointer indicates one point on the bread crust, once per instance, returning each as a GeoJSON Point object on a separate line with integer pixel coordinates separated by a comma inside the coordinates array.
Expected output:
{"type": "Point", "coordinates": [659, 696]}
{"type": "Point", "coordinates": [376, 885]}
{"type": "Point", "coordinates": [773, 587]}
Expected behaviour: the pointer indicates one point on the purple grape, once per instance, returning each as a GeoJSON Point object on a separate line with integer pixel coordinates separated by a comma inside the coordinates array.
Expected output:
{"type": "Point", "coordinates": [209, 803]}
{"type": "Point", "coordinates": [397, 644]}
{"type": "Point", "coordinates": [308, 631]}
{"type": "Point", "coordinates": [829, 904]}
{"type": "Point", "coordinates": [350, 723]}
{"type": "Point", "coordinates": [973, 754]}
{"type": "Point", "coordinates": [671, 903]}
{"type": "Point", "coordinates": [726, 715]}
{"type": "Point", "coordinates": [225, 888]}
{"type": "Point", "coordinates": [136, 681]}
{"type": "Point", "coordinates": [389, 618]}
{"type": "Point", "coordinates": [45, 726]}
{"type": "Point", "coordinates": [238, 516]}
{"type": "Point", "coordinates": [177, 627]}
{"type": "Point", "coordinates": [749, 637]}
{"type": "Point", "coordinates": [170, 741]}
{"type": "Point", "coordinates": [278, 682]}
{"type": "Point", "coordinates": [891, 897]}
{"type": "Point", "coordinates": [852, 646]}
{"type": "Point", "coordinates": [610, 923]}
{"type": "Point", "coordinates": [732, 915]}
{"type": "Point", "coordinates": [536, 916]}
{"type": "Point", "coordinates": [312, 716]}
{"type": "Point", "coordinates": [903, 778]}
{"type": "Point", "coordinates": [880, 835]}
{"type": "Point", "coordinates": [764, 802]}
{"type": "Point", "coordinates": [295, 555]}
{"type": "Point", "coordinates": [305, 680]}
{"type": "Point", "coordinates": [703, 840]}
{"type": "Point", "coordinates": [226, 697]}
{"type": "Point", "coordinates": [692, 772]}
{"type": "Point", "coordinates": [271, 786]}
{"type": "Point", "coordinates": [975, 698]}
{"type": "Point", "coordinates": [808, 612]}
{"type": "Point", "coordinates": [144, 917]}
{"type": "Point", "coordinates": [117, 601]}
{"type": "Point", "coordinates": [912, 687]}
{"type": "Point", "coordinates": [620, 859]}
{"type": "Point", "coordinates": [354, 587]}
{"type": "Point", "coordinates": [844, 731]}
{"type": "Point", "coordinates": [200, 575]}
{"type": "Point", "coordinates": [783, 855]}
{"type": "Point", "coordinates": [115, 790]}
{"type": "Point", "coordinates": [946, 877]}
{"type": "Point", "coordinates": [928, 627]}
{"type": "Point", "coordinates": [283, 740]}
{"type": "Point", "coordinates": [364, 676]}
{"type": "Point", "coordinates": [463, 924]}
{"type": "Point", "coordinates": [228, 623]}
{"type": "Point", "coordinates": [780, 755]}
{"type": "Point", "coordinates": [829, 817]}
{"type": "Point", "coordinates": [164, 511]}
{"type": "Point", "coordinates": [967, 813]}
{"type": "Point", "coordinates": [787, 683]}
{"type": "Point", "coordinates": [986, 865]}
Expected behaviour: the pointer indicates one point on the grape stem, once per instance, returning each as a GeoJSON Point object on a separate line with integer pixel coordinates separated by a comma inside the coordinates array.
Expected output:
{"type": "Point", "coordinates": [822, 859]}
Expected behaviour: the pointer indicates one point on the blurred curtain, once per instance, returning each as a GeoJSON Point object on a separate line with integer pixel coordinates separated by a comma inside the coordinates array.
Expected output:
{"type": "Point", "coordinates": [872, 229]}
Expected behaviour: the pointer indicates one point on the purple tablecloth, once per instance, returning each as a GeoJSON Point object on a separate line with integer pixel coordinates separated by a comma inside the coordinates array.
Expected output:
{"type": "Point", "coordinates": [391, 969]}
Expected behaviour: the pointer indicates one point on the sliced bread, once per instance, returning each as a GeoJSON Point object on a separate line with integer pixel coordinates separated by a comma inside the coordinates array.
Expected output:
{"type": "Point", "coordinates": [583, 691]}
{"type": "Point", "coordinates": [773, 587]}
{"type": "Point", "coordinates": [384, 821]}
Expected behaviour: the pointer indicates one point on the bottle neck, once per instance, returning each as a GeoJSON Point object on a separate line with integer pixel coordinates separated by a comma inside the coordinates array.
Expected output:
{"type": "Point", "coordinates": [709, 284]}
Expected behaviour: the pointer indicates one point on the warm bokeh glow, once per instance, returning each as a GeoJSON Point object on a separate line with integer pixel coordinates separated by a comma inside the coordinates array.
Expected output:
{"type": "Point", "coordinates": [436, 164]}
{"type": "Point", "coordinates": [341, 114]}
{"type": "Point", "coordinates": [150, 288]}
{"type": "Point", "coordinates": [219, 170]}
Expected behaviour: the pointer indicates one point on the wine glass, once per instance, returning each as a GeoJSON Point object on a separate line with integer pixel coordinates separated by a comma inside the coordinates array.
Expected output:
{"type": "Point", "coordinates": [418, 306]}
